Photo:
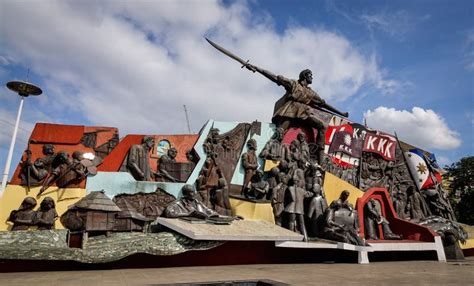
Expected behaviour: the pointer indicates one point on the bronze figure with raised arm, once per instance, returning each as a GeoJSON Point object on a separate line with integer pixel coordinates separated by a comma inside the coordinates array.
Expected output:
{"type": "Point", "coordinates": [297, 104]}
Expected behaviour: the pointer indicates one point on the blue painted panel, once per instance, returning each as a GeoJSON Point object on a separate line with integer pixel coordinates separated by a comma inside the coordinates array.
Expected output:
{"type": "Point", "coordinates": [223, 127]}
{"type": "Point", "coordinates": [266, 133]}
{"type": "Point", "coordinates": [114, 183]}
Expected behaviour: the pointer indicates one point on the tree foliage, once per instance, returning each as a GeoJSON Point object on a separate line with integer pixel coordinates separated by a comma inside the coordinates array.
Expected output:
{"type": "Point", "coordinates": [462, 185]}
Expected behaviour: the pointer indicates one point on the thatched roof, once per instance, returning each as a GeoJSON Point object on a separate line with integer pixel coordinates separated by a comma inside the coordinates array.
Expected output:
{"type": "Point", "coordinates": [96, 201]}
{"type": "Point", "coordinates": [128, 211]}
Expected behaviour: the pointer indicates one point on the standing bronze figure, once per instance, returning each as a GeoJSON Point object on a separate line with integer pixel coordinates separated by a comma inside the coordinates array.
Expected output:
{"type": "Point", "coordinates": [249, 163]}
{"type": "Point", "coordinates": [164, 164]}
{"type": "Point", "coordinates": [138, 163]}
{"type": "Point", "coordinates": [298, 101]}
{"type": "Point", "coordinates": [34, 173]}
{"type": "Point", "coordinates": [274, 149]}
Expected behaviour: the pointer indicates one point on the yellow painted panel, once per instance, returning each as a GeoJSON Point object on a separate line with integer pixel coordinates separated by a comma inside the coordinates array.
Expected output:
{"type": "Point", "coordinates": [470, 233]}
{"type": "Point", "coordinates": [333, 186]}
{"type": "Point", "coordinates": [14, 195]}
{"type": "Point", "coordinates": [469, 244]}
{"type": "Point", "coordinates": [270, 164]}
{"type": "Point", "coordinates": [252, 211]}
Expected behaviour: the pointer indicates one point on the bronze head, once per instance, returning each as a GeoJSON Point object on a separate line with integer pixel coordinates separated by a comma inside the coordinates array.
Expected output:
{"type": "Point", "coordinates": [77, 155]}
{"type": "Point", "coordinates": [188, 192]}
{"type": "Point", "coordinates": [252, 144]}
{"type": "Point", "coordinates": [301, 137]}
{"type": "Point", "coordinates": [28, 204]}
{"type": "Point", "coordinates": [279, 133]}
{"type": "Point", "coordinates": [149, 142]}
{"type": "Point", "coordinates": [48, 149]}
{"type": "Point", "coordinates": [172, 152]}
{"type": "Point", "coordinates": [306, 76]}
{"type": "Point", "coordinates": [344, 195]}
{"type": "Point", "coordinates": [63, 157]}
{"type": "Point", "coordinates": [47, 204]}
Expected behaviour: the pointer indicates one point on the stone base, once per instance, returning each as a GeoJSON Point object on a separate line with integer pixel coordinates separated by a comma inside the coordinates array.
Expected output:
{"type": "Point", "coordinates": [454, 252]}
{"type": "Point", "coordinates": [240, 230]}
{"type": "Point", "coordinates": [52, 245]}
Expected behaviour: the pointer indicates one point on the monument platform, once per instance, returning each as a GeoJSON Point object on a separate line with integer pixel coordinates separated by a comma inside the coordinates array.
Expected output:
{"type": "Point", "coordinates": [410, 245]}
{"type": "Point", "coordinates": [239, 230]}
{"type": "Point", "coordinates": [374, 246]}
{"type": "Point", "coordinates": [327, 244]}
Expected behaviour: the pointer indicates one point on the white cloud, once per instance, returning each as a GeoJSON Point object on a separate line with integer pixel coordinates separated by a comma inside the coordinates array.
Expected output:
{"type": "Point", "coordinates": [470, 118]}
{"type": "Point", "coordinates": [443, 161]}
{"type": "Point", "coordinates": [133, 65]}
{"type": "Point", "coordinates": [395, 23]}
{"type": "Point", "coordinates": [7, 124]}
{"type": "Point", "coordinates": [469, 51]}
{"type": "Point", "coordinates": [423, 128]}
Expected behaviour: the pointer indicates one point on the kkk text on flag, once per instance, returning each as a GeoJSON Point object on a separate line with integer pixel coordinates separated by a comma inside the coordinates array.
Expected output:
{"type": "Point", "coordinates": [347, 150]}
{"type": "Point", "coordinates": [346, 143]}
{"type": "Point", "coordinates": [382, 144]}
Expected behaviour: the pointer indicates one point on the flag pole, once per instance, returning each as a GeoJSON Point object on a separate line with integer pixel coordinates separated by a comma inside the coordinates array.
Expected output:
{"type": "Point", "coordinates": [360, 167]}
{"type": "Point", "coordinates": [405, 160]}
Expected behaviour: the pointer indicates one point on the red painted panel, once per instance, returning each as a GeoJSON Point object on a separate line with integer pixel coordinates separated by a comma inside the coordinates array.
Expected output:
{"type": "Point", "coordinates": [292, 132]}
{"type": "Point", "coordinates": [409, 230]}
{"type": "Point", "coordinates": [57, 133]}
{"type": "Point", "coordinates": [115, 159]}
{"type": "Point", "coordinates": [64, 138]}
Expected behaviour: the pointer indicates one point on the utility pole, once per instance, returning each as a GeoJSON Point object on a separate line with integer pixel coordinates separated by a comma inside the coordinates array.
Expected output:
{"type": "Point", "coordinates": [187, 119]}
{"type": "Point", "coordinates": [23, 89]}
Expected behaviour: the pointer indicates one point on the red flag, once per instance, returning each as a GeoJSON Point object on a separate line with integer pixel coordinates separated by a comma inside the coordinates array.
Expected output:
{"type": "Point", "coordinates": [382, 144]}
{"type": "Point", "coordinates": [344, 142]}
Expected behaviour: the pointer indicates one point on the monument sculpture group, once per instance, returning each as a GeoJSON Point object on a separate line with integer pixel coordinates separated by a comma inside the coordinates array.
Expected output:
{"type": "Point", "coordinates": [313, 172]}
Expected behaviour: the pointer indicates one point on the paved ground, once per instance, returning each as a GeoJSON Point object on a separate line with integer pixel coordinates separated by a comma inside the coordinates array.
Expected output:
{"type": "Point", "coordinates": [377, 273]}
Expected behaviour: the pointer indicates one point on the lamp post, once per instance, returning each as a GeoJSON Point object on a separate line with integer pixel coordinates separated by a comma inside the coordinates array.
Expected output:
{"type": "Point", "coordinates": [23, 89]}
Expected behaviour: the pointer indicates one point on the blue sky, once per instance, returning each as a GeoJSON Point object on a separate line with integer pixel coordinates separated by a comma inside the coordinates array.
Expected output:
{"type": "Point", "coordinates": [405, 66]}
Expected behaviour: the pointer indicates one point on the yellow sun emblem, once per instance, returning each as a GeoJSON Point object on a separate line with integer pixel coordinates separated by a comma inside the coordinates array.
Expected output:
{"type": "Point", "coordinates": [421, 168]}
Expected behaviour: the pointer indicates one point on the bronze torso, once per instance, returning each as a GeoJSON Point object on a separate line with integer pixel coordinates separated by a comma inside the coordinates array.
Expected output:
{"type": "Point", "coordinates": [295, 102]}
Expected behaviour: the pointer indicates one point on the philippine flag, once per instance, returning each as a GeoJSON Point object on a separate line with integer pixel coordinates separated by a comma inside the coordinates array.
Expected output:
{"type": "Point", "coordinates": [419, 168]}
{"type": "Point", "coordinates": [435, 168]}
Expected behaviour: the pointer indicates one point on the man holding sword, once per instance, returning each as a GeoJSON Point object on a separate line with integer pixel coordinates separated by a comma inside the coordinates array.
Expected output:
{"type": "Point", "coordinates": [297, 104]}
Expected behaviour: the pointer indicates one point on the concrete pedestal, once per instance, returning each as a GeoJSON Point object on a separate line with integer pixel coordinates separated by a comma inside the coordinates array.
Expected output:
{"type": "Point", "coordinates": [240, 230]}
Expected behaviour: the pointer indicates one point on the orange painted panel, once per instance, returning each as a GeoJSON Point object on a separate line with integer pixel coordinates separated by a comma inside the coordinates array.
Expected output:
{"type": "Point", "coordinates": [64, 138]}
{"type": "Point", "coordinates": [57, 133]}
{"type": "Point", "coordinates": [115, 159]}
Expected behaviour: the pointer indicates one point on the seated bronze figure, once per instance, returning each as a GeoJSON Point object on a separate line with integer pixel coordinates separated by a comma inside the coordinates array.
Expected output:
{"type": "Point", "coordinates": [342, 221]}
{"type": "Point", "coordinates": [189, 206]}
{"type": "Point", "coordinates": [373, 218]}
{"type": "Point", "coordinates": [25, 216]}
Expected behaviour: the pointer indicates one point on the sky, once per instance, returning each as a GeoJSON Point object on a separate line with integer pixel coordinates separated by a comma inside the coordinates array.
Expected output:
{"type": "Point", "coordinates": [402, 66]}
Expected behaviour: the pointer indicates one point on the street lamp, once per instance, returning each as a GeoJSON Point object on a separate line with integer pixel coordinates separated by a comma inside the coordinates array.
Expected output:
{"type": "Point", "coordinates": [23, 89]}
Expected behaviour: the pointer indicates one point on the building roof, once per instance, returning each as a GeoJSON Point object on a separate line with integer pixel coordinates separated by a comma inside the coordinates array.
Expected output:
{"type": "Point", "coordinates": [96, 201]}
{"type": "Point", "coordinates": [128, 211]}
